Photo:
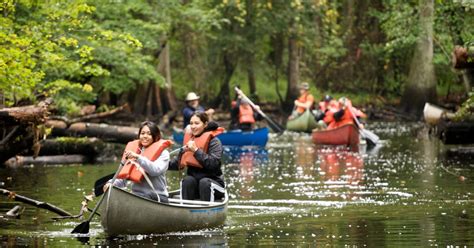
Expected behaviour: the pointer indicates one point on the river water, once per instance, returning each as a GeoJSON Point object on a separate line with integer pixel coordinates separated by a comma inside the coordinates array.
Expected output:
{"type": "Point", "coordinates": [407, 192]}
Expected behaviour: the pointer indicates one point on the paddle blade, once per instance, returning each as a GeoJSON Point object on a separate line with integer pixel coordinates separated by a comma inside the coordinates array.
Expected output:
{"type": "Point", "coordinates": [371, 137]}
{"type": "Point", "coordinates": [82, 228]}
{"type": "Point", "coordinates": [99, 184]}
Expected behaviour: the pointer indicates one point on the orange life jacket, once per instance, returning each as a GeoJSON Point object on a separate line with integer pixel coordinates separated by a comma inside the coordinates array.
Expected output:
{"type": "Point", "coordinates": [202, 142]}
{"type": "Point", "coordinates": [307, 97]}
{"type": "Point", "coordinates": [246, 114]}
{"type": "Point", "coordinates": [130, 171]}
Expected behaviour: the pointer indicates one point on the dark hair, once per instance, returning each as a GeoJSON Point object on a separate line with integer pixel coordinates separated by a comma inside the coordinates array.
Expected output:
{"type": "Point", "coordinates": [154, 130]}
{"type": "Point", "coordinates": [201, 115]}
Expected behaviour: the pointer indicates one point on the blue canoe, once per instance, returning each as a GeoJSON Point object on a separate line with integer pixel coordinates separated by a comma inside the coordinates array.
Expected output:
{"type": "Point", "coordinates": [257, 137]}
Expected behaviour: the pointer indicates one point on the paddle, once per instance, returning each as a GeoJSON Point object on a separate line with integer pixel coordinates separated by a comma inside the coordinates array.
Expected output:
{"type": "Point", "coordinates": [83, 228]}
{"type": "Point", "coordinates": [273, 125]}
{"type": "Point", "coordinates": [371, 137]}
{"type": "Point", "coordinates": [99, 184]}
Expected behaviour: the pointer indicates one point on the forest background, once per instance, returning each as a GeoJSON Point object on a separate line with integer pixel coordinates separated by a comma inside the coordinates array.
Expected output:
{"type": "Point", "coordinates": [149, 54]}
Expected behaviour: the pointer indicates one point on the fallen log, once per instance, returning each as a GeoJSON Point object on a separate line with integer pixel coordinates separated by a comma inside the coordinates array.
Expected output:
{"type": "Point", "coordinates": [19, 126]}
{"type": "Point", "coordinates": [18, 161]}
{"type": "Point", "coordinates": [89, 117]}
{"type": "Point", "coordinates": [39, 204]}
{"type": "Point", "coordinates": [451, 132]}
{"type": "Point", "coordinates": [89, 147]}
{"type": "Point", "coordinates": [112, 133]}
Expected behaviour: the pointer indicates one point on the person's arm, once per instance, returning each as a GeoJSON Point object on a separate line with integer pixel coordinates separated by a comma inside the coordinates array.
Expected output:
{"type": "Point", "coordinates": [188, 112]}
{"type": "Point", "coordinates": [174, 163]}
{"type": "Point", "coordinates": [212, 159]}
{"type": "Point", "coordinates": [157, 167]}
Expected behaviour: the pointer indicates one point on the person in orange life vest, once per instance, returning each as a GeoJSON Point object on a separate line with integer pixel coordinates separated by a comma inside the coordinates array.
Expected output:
{"type": "Point", "coordinates": [202, 157]}
{"type": "Point", "coordinates": [323, 108]}
{"type": "Point", "coordinates": [242, 115]}
{"type": "Point", "coordinates": [192, 105]}
{"type": "Point", "coordinates": [149, 137]}
{"type": "Point", "coordinates": [345, 114]}
{"type": "Point", "coordinates": [305, 101]}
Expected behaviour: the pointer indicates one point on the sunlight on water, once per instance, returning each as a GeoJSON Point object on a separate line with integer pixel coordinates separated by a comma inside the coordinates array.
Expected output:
{"type": "Point", "coordinates": [405, 192]}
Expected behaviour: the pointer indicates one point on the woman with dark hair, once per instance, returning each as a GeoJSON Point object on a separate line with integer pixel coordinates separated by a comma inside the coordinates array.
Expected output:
{"type": "Point", "coordinates": [202, 157]}
{"type": "Point", "coordinates": [145, 164]}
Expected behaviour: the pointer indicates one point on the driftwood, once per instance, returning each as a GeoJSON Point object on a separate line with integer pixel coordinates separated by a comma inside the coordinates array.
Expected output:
{"type": "Point", "coordinates": [120, 134]}
{"type": "Point", "coordinates": [15, 212]}
{"type": "Point", "coordinates": [18, 161]}
{"type": "Point", "coordinates": [33, 202]}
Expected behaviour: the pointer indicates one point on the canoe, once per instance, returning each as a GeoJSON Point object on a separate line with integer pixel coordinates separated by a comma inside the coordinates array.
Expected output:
{"type": "Point", "coordinates": [344, 135]}
{"type": "Point", "coordinates": [302, 123]}
{"type": "Point", "coordinates": [125, 213]}
{"type": "Point", "coordinates": [257, 137]}
{"type": "Point", "coordinates": [433, 113]}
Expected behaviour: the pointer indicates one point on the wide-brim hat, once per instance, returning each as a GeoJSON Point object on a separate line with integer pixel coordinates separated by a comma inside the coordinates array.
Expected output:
{"type": "Point", "coordinates": [304, 86]}
{"type": "Point", "coordinates": [191, 96]}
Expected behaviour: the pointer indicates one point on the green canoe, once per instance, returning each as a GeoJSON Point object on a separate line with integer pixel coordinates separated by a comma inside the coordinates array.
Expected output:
{"type": "Point", "coordinates": [302, 123]}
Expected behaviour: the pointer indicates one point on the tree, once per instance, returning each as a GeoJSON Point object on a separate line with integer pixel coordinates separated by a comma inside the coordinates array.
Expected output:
{"type": "Point", "coordinates": [421, 84]}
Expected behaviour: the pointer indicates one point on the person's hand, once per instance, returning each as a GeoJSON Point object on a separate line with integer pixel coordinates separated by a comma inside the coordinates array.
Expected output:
{"type": "Point", "coordinates": [106, 186]}
{"type": "Point", "coordinates": [296, 102]}
{"type": "Point", "coordinates": [191, 145]}
{"type": "Point", "coordinates": [131, 155]}
{"type": "Point", "coordinates": [257, 107]}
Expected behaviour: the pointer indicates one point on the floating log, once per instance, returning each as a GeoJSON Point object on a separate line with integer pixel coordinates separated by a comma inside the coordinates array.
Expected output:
{"type": "Point", "coordinates": [112, 133]}
{"type": "Point", "coordinates": [18, 161]}
{"type": "Point", "coordinates": [39, 204]}
{"type": "Point", "coordinates": [15, 212]}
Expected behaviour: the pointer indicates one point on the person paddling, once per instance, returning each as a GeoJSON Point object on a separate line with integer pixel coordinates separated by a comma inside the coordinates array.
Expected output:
{"type": "Point", "coordinates": [305, 101]}
{"type": "Point", "coordinates": [202, 157]}
{"type": "Point", "coordinates": [192, 105]}
{"type": "Point", "coordinates": [149, 153]}
{"type": "Point", "coordinates": [242, 115]}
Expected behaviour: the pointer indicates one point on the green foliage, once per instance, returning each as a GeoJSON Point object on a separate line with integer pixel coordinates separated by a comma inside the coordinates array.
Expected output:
{"type": "Point", "coordinates": [466, 112]}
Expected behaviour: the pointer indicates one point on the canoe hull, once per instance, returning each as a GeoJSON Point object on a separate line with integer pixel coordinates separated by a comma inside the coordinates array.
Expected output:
{"type": "Point", "coordinates": [344, 135]}
{"type": "Point", "coordinates": [257, 137]}
{"type": "Point", "coordinates": [302, 123]}
{"type": "Point", "coordinates": [125, 213]}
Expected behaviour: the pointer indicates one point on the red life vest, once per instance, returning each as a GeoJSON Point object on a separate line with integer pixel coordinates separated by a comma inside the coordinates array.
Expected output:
{"type": "Point", "coordinates": [306, 97]}
{"type": "Point", "coordinates": [246, 114]}
{"type": "Point", "coordinates": [130, 171]}
{"type": "Point", "coordinates": [202, 142]}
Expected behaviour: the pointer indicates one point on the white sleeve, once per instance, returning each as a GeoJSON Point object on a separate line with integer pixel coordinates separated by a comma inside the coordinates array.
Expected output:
{"type": "Point", "coordinates": [157, 167]}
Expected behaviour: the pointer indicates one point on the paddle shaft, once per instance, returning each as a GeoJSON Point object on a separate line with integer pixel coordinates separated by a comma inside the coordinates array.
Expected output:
{"type": "Point", "coordinates": [276, 126]}
{"type": "Point", "coordinates": [372, 137]}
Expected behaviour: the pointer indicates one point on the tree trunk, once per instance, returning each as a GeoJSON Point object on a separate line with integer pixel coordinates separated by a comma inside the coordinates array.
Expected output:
{"type": "Point", "coordinates": [164, 68]}
{"type": "Point", "coordinates": [421, 84]}
{"type": "Point", "coordinates": [223, 98]}
{"type": "Point", "coordinates": [251, 77]}
{"type": "Point", "coordinates": [276, 58]}
{"type": "Point", "coordinates": [250, 49]}
{"type": "Point", "coordinates": [293, 71]}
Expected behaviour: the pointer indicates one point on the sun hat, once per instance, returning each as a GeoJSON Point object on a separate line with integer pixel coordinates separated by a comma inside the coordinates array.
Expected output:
{"type": "Point", "coordinates": [191, 96]}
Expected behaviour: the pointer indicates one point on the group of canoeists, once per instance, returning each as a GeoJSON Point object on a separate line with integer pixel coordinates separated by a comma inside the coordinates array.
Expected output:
{"type": "Point", "coordinates": [202, 151]}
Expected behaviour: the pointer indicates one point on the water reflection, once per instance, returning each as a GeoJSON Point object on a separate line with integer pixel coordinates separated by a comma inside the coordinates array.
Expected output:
{"type": "Point", "coordinates": [290, 193]}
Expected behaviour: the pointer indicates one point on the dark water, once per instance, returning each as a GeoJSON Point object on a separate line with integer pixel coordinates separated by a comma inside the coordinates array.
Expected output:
{"type": "Point", "coordinates": [405, 193]}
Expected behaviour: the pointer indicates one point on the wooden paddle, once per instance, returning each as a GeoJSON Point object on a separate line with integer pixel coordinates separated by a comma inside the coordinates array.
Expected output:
{"type": "Point", "coordinates": [273, 125]}
{"type": "Point", "coordinates": [371, 137]}
{"type": "Point", "coordinates": [99, 184]}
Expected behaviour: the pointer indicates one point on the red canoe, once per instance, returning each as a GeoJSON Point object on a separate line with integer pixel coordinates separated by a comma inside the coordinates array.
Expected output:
{"type": "Point", "coordinates": [343, 135]}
